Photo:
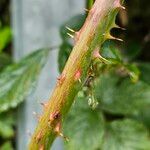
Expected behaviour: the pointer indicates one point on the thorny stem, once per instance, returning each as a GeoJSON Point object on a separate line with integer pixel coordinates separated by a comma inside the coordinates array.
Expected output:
{"type": "Point", "coordinates": [96, 29]}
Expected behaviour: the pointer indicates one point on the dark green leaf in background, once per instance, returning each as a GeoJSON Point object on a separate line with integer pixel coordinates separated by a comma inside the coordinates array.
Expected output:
{"type": "Point", "coordinates": [7, 146]}
{"type": "Point", "coordinates": [5, 60]}
{"type": "Point", "coordinates": [84, 127]}
{"type": "Point", "coordinates": [126, 135]}
{"type": "Point", "coordinates": [7, 121]}
{"type": "Point", "coordinates": [110, 51]}
{"type": "Point", "coordinates": [64, 52]}
{"type": "Point", "coordinates": [145, 72]}
{"type": "Point", "coordinates": [121, 96]}
{"type": "Point", "coordinates": [17, 80]}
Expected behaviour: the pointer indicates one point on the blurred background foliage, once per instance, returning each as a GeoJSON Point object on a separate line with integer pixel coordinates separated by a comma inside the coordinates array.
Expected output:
{"type": "Point", "coordinates": [112, 110]}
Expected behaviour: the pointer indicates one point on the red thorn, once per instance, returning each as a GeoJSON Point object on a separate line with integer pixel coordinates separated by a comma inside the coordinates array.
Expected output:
{"type": "Point", "coordinates": [77, 75]}
{"type": "Point", "coordinates": [54, 116]}
{"type": "Point", "coordinates": [61, 78]}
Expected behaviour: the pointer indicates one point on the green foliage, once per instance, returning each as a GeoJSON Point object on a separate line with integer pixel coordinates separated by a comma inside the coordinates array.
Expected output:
{"type": "Point", "coordinates": [121, 96]}
{"type": "Point", "coordinates": [111, 52]}
{"type": "Point", "coordinates": [18, 79]}
{"type": "Point", "coordinates": [5, 60]}
{"type": "Point", "coordinates": [84, 127]}
{"type": "Point", "coordinates": [5, 37]}
{"type": "Point", "coordinates": [6, 146]}
{"type": "Point", "coordinates": [126, 135]}
{"type": "Point", "coordinates": [7, 122]}
{"type": "Point", "coordinates": [145, 72]}
{"type": "Point", "coordinates": [87, 130]}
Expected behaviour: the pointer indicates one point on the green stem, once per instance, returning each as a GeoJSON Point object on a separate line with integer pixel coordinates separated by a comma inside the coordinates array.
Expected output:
{"type": "Point", "coordinates": [95, 31]}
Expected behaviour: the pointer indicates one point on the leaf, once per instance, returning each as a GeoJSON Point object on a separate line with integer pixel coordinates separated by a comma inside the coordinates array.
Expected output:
{"type": "Point", "coordinates": [5, 37]}
{"type": "Point", "coordinates": [6, 125]}
{"type": "Point", "coordinates": [145, 72]}
{"type": "Point", "coordinates": [110, 51]}
{"type": "Point", "coordinates": [126, 135]}
{"type": "Point", "coordinates": [84, 127]}
{"type": "Point", "coordinates": [17, 80]}
{"type": "Point", "coordinates": [6, 146]}
{"type": "Point", "coordinates": [64, 52]}
{"type": "Point", "coordinates": [133, 50]}
{"type": "Point", "coordinates": [121, 96]}
{"type": "Point", "coordinates": [5, 60]}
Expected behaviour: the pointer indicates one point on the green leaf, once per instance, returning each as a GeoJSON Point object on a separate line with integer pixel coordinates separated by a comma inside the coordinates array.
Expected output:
{"type": "Point", "coordinates": [133, 50]}
{"type": "Point", "coordinates": [6, 125]}
{"type": "Point", "coordinates": [64, 52]}
{"type": "Point", "coordinates": [5, 60]}
{"type": "Point", "coordinates": [17, 80]}
{"type": "Point", "coordinates": [84, 127]}
{"type": "Point", "coordinates": [110, 51]}
{"type": "Point", "coordinates": [126, 135]}
{"type": "Point", "coordinates": [6, 146]}
{"type": "Point", "coordinates": [5, 37]}
{"type": "Point", "coordinates": [145, 72]}
{"type": "Point", "coordinates": [121, 96]}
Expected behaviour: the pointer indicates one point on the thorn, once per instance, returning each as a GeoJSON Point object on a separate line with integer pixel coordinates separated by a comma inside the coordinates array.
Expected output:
{"type": "Point", "coordinates": [78, 76]}
{"type": "Point", "coordinates": [87, 10]}
{"type": "Point", "coordinates": [54, 116]}
{"type": "Point", "coordinates": [96, 53]}
{"type": "Point", "coordinates": [70, 35]}
{"type": "Point", "coordinates": [61, 78]}
{"type": "Point", "coordinates": [116, 26]}
{"type": "Point", "coordinates": [118, 5]}
{"type": "Point", "coordinates": [45, 104]}
{"type": "Point", "coordinates": [65, 138]}
{"type": "Point", "coordinates": [58, 131]}
{"type": "Point", "coordinates": [108, 36]}
{"type": "Point", "coordinates": [70, 29]}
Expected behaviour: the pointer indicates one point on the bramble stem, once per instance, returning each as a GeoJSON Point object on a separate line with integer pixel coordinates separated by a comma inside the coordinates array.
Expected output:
{"type": "Point", "coordinates": [96, 29]}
